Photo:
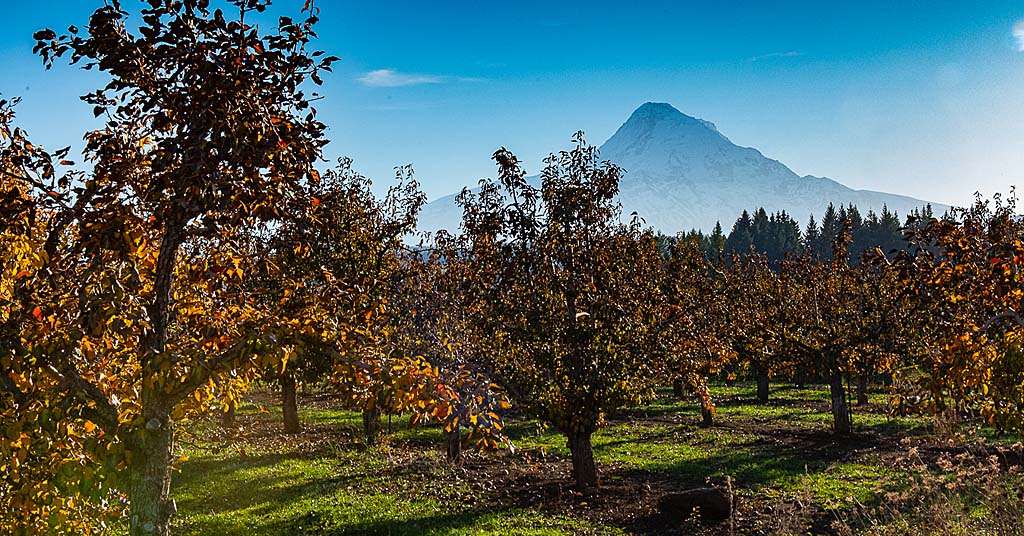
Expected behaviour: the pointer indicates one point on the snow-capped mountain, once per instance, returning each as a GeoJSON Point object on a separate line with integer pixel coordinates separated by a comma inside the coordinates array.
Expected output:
{"type": "Point", "coordinates": [681, 174]}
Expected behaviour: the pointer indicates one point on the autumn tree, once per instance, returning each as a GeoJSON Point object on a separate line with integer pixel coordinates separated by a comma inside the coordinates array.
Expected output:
{"type": "Point", "coordinates": [698, 328]}
{"type": "Point", "coordinates": [574, 294]}
{"type": "Point", "coordinates": [842, 320]}
{"type": "Point", "coordinates": [823, 321]}
{"type": "Point", "coordinates": [884, 317]}
{"type": "Point", "coordinates": [135, 303]}
{"type": "Point", "coordinates": [441, 298]}
{"type": "Point", "coordinates": [338, 258]}
{"type": "Point", "coordinates": [380, 322]}
{"type": "Point", "coordinates": [53, 475]}
{"type": "Point", "coordinates": [964, 277]}
{"type": "Point", "coordinates": [757, 305]}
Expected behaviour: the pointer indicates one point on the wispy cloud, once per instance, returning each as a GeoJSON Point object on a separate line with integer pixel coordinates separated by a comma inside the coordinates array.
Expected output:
{"type": "Point", "coordinates": [1018, 34]}
{"type": "Point", "coordinates": [393, 78]}
{"type": "Point", "coordinates": [777, 55]}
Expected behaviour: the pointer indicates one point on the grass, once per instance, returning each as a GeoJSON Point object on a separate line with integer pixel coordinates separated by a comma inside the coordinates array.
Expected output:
{"type": "Point", "coordinates": [325, 481]}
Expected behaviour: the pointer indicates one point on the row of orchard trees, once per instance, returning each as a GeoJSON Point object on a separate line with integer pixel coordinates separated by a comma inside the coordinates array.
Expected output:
{"type": "Point", "coordinates": [578, 313]}
{"type": "Point", "coordinates": [203, 250]}
{"type": "Point", "coordinates": [200, 251]}
{"type": "Point", "coordinates": [937, 319]}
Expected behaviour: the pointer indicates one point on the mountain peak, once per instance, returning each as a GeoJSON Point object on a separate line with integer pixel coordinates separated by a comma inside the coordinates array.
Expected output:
{"type": "Point", "coordinates": [663, 111]}
{"type": "Point", "coordinates": [681, 173]}
{"type": "Point", "coordinates": [655, 109]}
{"type": "Point", "coordinates": [659, 126]}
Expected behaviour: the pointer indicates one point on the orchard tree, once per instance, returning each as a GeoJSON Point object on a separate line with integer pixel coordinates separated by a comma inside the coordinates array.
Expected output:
{"type": "Point", "coordinates": [441, 297]}
{"type": "Point", "coordinates": [966, 283]}
{"type": "Point", "coordinates": [823, 321]}
{"type": "Point", "coordinates": [885, 311]}
{"type": "Point", "coordinates": [132, 303]}
{"type": "Point", "coordinates": [842, 320]}
{"type": "Point", "coordinates": [574, 300]}
{"type": "Point", "coordinates": [698, 328]}
{"type": "Point", "coordinates": [53, 475]}
{"type": "Point", "coordinates": [756, 309]}
{"type": "Point", "coordinates": [339, 258]}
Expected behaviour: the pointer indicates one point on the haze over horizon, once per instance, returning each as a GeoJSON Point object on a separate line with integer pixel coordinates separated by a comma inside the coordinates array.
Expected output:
{"type": "Point", "coordinates": [682, 174]}
{"type": "Point", "coordinates": [920, 99]}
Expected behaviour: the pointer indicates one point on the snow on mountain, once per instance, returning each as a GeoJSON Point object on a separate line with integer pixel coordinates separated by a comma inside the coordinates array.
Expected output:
{"type": "Point", "coordinates": [682, 173]}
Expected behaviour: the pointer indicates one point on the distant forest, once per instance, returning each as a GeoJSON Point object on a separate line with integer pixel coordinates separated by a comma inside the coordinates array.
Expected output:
{"type": "Point", "coordinates": [777, 235]}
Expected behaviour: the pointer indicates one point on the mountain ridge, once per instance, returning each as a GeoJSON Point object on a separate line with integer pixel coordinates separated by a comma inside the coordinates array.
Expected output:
{"type": "Point", "coordinates": [682, 173]}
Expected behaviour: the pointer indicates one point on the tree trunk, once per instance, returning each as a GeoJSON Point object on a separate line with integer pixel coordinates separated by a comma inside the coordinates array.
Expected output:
{"type": "Point", "coordinates": [227, 420]}
{"type": "Point", "coordinates": [289, 404]}
{"type": "Point", "coordinates": [840, 411]}
{"type": "Point", "coordinates": [584, 471]}
{"type": "Point", "coordinates": [862, 389]}
{"type": "Point", "coordinates": [762, 387]}
{"type": "Point", "coordinates": [371, 425]}
{"type": "Point", "coordinates": [149, 476]}
{"type": "Point", "coordinates": [149, 469]}
{"type": "Point", "coordinates": [707, 416]}
{"type": "Point", "coordinates": [454, 445]}
{"type": "Point", "coordinates": [678, 389]}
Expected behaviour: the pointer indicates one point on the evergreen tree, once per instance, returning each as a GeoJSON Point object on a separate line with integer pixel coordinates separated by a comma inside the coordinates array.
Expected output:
{"type": "Point", "coordinates": [742, 235]}
{"type": "Point", "coordinates": [811, 235]}
{"type": "Point", "coordinates": [787, 235]}
{"type": "Point", "coordinates": [717, 243]}
{"type": "Point", "coordinates": [831, 224]}
{"type": "Point", "coordinates": [760, 227]}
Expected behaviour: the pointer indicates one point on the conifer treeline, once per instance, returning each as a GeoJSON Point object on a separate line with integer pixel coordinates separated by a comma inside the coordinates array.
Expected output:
{"type": "Point", "coordinates": [778, 234]}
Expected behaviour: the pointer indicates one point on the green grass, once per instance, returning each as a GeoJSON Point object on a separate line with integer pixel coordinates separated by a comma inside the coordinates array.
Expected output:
{"type": "Point", "coordinates": [337, 486]}
{"type": "Point", "coordinates": [326, 482]}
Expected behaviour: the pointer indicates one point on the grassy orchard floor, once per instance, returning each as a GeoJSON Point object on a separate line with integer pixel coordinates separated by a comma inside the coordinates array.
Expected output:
{"type": "Point", "coordinates": [788, 472]}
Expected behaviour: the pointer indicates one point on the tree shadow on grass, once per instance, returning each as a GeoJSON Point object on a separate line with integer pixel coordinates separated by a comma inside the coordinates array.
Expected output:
{"type": "Point", "coordinates": [769, 459]}
{"type": "Point", "coordinates": [201, 471]}
{"type": "Point", "coordinates": [751, 468]}
{"type": "Point", "coordinates": [214, 485]}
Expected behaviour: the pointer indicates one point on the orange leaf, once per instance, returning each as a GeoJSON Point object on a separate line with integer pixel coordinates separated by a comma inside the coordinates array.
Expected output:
{"type": "Point", "coordinates": [38, 313]}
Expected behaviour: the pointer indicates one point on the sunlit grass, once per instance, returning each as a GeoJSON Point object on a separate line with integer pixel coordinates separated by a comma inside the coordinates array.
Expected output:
{"type": "Point", "coordinates": [326, 481]}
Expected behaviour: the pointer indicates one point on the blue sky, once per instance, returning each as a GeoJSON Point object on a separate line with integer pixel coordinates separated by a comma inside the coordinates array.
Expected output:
{"type": "Point", "coordinates": [917, 98]}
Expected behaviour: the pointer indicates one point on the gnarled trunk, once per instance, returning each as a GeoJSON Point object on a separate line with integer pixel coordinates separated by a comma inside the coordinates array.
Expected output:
{"type": "Point", "coordinates": [840, 410]}
{"type": "Point", "coordinates": [371, 425]}
{"type": "Point", "coordinates": [149, 476]}
{"type": "Point", "coordinates": [584, 471]}
{"type": "Point", "coordinates": [762, 387]}
{"type": "Point", "coordinates": [289, 404]}
{"type": "Point", "coordinates": [862, 389]}
{"type": "Point", "coordinates": [453, 441]}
